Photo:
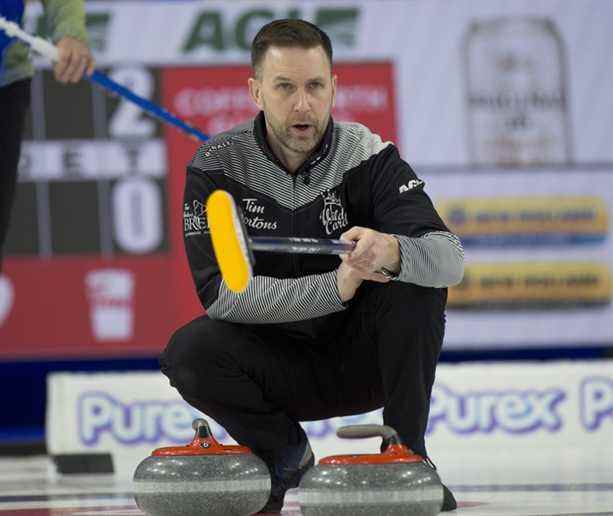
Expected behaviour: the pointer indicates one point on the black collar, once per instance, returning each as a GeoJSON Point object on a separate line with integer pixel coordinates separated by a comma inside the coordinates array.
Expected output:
{"type": "Point", "coordinates": [259, 125]}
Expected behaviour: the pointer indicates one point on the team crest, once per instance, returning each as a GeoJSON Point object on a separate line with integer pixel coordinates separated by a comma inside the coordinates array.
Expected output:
{"type": "Point", "coordinates": [333, 216]}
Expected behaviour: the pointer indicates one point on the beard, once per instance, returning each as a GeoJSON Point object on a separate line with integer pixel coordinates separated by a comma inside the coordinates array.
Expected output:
{"type": "Point", "coordinates": [296, 140]}
{"type": "Point", "coordinates": [290, 138]}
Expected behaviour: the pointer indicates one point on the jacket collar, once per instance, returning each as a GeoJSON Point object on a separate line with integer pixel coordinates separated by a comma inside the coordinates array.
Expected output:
{"type": "Point", "coordinates": [259, 125]}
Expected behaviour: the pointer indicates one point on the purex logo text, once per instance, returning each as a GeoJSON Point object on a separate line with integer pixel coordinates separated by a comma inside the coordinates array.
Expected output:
{"type": "Point", "coordinates": [136, 423]}
{"type": "Point", "coordinates": [510, 411]}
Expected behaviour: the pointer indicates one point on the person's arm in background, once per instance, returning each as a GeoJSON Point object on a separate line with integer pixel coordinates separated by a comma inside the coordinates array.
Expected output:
{"type": "Point", "coordinates": [266, 299]}
{"type": "Point", "coordinates": [66, 22]}
{"type": "Point", "coordinates": [408, 237]}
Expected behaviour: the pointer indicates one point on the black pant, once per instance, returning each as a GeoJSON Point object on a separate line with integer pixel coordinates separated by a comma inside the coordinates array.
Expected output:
{"type": "Point", "coordinates": [14, 101]}
{"type": "Point", "coordinates": [257, 382]}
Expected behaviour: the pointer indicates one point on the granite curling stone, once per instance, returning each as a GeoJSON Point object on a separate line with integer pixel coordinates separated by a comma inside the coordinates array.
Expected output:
{"type": "Point", "coordinates": [202, 478]}
{"type": "Point", "coordinates": [394, 482]}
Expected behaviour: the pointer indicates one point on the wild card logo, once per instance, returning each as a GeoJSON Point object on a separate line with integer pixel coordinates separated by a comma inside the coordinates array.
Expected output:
{"type": "Point", "coordinates": [253, 216]}
{"type": "Point", "coordinates": [194, 219]}
{"type": "Point", "coordinates": [333, 216]}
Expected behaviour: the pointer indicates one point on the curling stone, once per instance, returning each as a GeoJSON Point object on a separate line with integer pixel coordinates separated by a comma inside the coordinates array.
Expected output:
{"type": "Point", "coordinates": [202, 478]}
{"type": "Point", "coordinates": [394, 482]}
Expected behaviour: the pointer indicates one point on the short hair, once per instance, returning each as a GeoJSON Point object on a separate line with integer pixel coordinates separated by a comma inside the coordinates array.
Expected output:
{"type": "Point", "coordinates": [288, 33]}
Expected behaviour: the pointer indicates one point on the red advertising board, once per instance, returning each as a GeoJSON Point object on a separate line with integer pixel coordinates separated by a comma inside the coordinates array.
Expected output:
{"type": "Point", "coordinates": [216, 98]}
{"type": "Point", "coordinates": [84, 307]}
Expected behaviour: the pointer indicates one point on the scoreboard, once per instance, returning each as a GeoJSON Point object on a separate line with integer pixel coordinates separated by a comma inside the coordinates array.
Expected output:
{"type": "Point", "coordinates": [92, 173]}
{"type": "Point", "coordinates": [89, 263]}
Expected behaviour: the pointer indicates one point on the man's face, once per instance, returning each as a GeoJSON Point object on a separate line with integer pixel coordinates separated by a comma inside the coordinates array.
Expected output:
{"type": "Point", "coordinates": [296, 90]}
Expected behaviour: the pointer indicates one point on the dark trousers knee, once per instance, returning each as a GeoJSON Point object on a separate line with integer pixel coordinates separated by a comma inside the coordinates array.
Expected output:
{"type": "Point", "coordinates": [194, 354]}
{"type": "Point", "coordinates": [406, 324]}
{"type": "Point", "coordinates": [228, 372]}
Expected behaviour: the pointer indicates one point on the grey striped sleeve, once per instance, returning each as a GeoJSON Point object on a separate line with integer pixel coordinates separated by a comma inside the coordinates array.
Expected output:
{"type": "Point", "coordinates": [274, 300]}
{"type": "Point", "coordinates": [435, 259]}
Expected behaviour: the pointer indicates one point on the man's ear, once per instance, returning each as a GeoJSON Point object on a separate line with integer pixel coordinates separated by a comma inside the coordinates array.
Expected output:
{"type": "Point", "coordinates": [334, 80]}
{"type": "Point", "coordinates": [255, 90]}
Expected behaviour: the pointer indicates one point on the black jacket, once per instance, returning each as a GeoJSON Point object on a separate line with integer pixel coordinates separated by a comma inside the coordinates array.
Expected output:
{"type": "Point", "coordinates": [354, 179]}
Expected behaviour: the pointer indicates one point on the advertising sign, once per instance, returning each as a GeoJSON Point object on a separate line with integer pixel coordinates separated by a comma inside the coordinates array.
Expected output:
{"type": "Point", "coordinates": [521, 407]}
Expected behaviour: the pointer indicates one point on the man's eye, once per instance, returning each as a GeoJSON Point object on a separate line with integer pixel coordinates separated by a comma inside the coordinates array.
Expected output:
{"type": "Point", "coordinates": [316, 85]}
{"type": "Point", "coordinates": [285, 86]}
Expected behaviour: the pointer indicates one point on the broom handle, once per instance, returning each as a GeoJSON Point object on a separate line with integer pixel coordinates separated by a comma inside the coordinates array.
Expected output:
{"type": "Point", "coordinates": [301, 245]}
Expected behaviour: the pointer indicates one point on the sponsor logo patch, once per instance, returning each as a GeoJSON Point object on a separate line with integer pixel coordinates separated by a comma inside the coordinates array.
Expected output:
{"type": "Point", "coordinates": [194, 219]}
{"type": "Point", "coordinates": [253, 216]}
{"type": "Point", "coordinates": [413, 183]}
{"type": "Point", "coordinates": [333, 216]}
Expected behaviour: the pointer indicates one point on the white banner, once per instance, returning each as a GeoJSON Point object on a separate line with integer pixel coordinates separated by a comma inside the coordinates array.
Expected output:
{"type": "Point", "coordinates": [527, 407]}
{"type": "Point", "coordinates": [457, 64]}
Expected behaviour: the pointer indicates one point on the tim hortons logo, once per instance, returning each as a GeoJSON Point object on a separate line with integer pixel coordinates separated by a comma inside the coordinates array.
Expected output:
{"type": "Point", "coordinates": [253, 215]}
{"type": "Point", "coordinates": [333, 216]}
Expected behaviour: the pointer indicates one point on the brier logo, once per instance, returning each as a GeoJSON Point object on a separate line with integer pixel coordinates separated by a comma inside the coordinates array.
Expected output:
{"type": "Point", "coordinates": [194, 219]}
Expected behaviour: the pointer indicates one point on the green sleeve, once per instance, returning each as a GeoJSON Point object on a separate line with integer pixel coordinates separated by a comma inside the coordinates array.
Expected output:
{"type": "Point", "coordinates": [66, 18]}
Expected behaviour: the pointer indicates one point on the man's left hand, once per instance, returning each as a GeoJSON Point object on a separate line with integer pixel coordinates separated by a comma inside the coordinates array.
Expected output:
{"type": "Point", "coordinates": [373, 251]}
{"type": "Point", "coordinates": [75, 59]}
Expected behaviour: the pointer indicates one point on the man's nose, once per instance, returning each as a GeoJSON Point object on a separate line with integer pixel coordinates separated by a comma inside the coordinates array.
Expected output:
{"type": "Point", "coordinates": [302, 103]}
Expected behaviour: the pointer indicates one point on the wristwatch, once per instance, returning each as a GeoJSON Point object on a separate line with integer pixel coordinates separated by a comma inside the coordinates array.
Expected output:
{"type": "Point", "coordinates": [387, 273]}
